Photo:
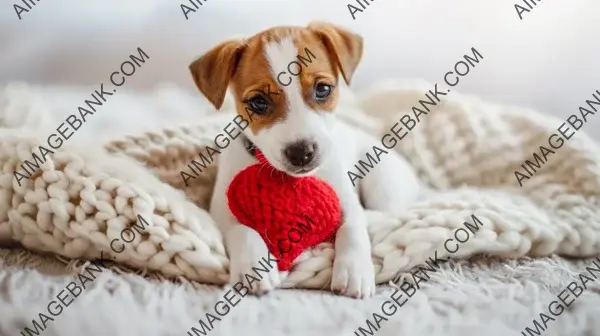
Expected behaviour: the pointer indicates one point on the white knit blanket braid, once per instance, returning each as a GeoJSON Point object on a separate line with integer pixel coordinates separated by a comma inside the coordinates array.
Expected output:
{"type": "Point", "coordinates": [467, 150]}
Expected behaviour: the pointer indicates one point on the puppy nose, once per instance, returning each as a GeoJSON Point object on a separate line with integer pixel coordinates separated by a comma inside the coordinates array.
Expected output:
{"type": "Point", "coordinates": [300, 153]}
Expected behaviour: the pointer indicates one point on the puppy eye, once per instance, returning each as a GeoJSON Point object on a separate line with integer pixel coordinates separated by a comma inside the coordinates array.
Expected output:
{"type": "Point", "coordinates": [258, 104]}
{"type": "Point", "coordinates": [322, 91]}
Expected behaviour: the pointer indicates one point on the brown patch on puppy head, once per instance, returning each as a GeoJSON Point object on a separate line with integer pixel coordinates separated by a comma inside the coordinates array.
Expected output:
{"type": "Point", "coordinates": [253, 79]}
{"type": "Point", "coordinates": [317, 68]}
{"type": "Point", "coordinates": [326, 51]}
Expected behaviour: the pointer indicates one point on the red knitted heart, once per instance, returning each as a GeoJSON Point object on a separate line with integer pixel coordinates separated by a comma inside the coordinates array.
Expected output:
{"type": "Point", "coordinates": [290, 213]}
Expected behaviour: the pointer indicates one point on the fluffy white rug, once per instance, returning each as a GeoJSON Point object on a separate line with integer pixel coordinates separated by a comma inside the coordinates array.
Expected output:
{"type": "Point", "coordinates": [485, 297]}
{"type": "Point", "coordinates": [552, 213]}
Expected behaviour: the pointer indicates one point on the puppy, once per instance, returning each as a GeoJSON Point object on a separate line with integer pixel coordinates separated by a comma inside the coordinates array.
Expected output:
{"type": "Point", "coordinates": [285, 83]}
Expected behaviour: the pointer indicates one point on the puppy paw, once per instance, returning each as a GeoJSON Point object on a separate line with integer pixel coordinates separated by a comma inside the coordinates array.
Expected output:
{"type": "Point", "coordinates": [353, 274]}
{"type": "Point", "coordinates": [253, 268]}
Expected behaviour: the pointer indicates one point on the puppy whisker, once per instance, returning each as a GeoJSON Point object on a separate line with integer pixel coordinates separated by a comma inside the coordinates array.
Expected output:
{"type": "Point", "coordinates": [262, 166]}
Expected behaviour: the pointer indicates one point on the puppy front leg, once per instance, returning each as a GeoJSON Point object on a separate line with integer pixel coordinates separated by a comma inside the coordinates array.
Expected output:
{"type": "Point", "coordinates": [245, 247]}
{"type": "Point", "coordinates": [353, 271]}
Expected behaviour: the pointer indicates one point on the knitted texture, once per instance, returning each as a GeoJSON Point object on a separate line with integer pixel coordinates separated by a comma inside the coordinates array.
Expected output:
{"type": "Point", "coordinates": [290, 214]}
{"type": "Point", "coordinates": [466, 149]}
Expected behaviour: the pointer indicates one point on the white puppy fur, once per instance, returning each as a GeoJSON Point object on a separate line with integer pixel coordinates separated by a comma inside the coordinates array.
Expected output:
{"type": "Point", "coordinates": [390, 186]}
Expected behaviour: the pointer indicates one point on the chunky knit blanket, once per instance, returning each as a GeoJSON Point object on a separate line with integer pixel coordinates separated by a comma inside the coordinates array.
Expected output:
{"type": "Point", "coordinates": [467, 150]}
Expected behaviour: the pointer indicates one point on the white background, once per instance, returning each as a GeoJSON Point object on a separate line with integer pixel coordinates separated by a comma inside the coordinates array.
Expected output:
{"type": "Point", "coordinates": [550, 60]}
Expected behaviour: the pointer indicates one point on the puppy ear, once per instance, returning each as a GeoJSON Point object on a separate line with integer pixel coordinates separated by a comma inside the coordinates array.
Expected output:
{"type": "Point", "coordinates": [344, 47]}
{"type": "Point", "coordinates": [213, 71]}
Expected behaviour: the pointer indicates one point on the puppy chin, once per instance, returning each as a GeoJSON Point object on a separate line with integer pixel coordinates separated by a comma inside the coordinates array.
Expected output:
{"type": "Point", "coordinates": [303, 173]}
